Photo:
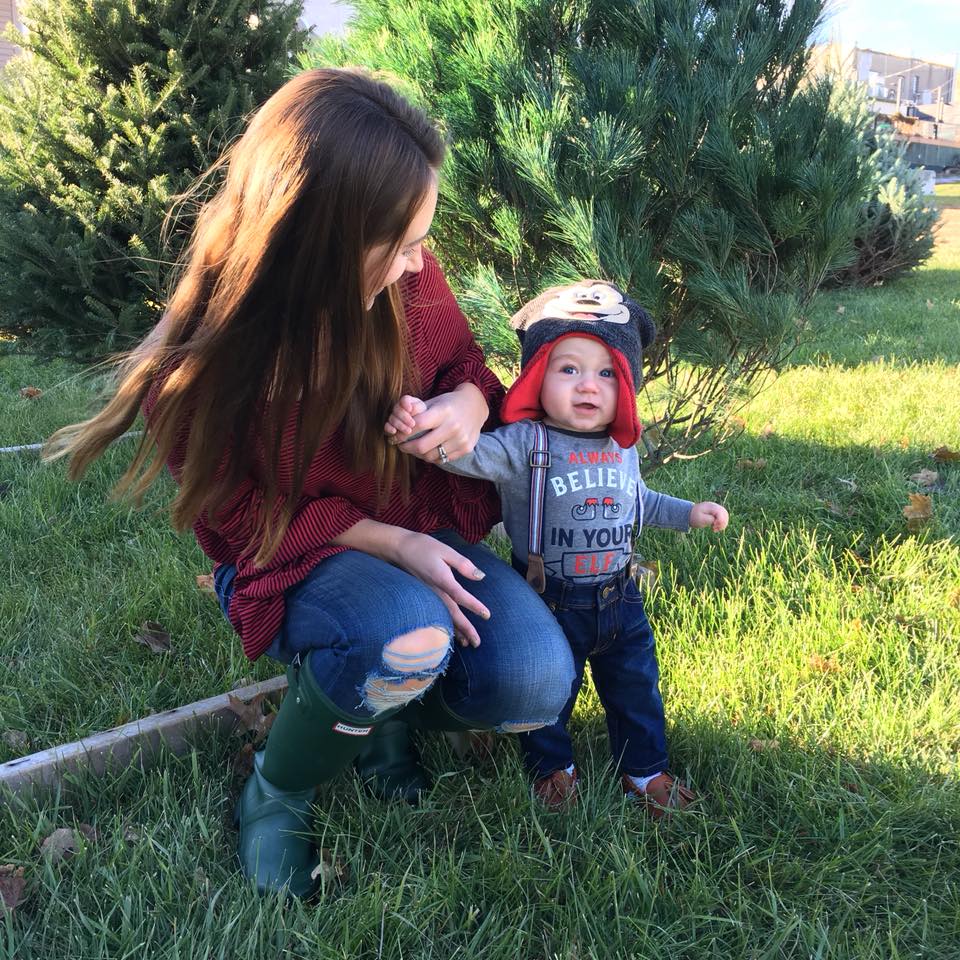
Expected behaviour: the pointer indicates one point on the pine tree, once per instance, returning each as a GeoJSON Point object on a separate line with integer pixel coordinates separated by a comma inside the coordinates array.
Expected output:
{"type": "Point", "coordinates": [114, 109]}
{"type": "Point", "coordinates": [897, 220]}
{"type": "Point", "coordinates": [677, 147]}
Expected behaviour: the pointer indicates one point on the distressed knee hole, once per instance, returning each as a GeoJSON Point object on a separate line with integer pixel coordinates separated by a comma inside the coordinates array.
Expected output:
{"type": "Point", "coordinates": [519, 727]}
{"type": "Point", "coordinates": [383, 693]}
{"type": "Point", "coordinates": [417, 651]}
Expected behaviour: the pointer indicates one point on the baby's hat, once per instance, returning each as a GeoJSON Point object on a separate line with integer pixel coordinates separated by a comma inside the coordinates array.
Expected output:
{"type": "Point", "coordinates": [587, 308]}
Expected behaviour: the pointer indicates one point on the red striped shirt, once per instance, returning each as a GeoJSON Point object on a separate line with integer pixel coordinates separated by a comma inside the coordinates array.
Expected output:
{"type": "Point", "coordinates": [334, 499]}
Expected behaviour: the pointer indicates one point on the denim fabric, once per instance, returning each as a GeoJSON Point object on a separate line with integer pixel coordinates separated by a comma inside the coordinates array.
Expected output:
{"type": "Point", "coordinates": [606, 625]}
{"type": "Point", "coordinates": [352, 604]}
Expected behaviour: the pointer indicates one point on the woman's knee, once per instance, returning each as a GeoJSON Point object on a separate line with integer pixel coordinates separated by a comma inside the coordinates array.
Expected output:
{"type": "Point", "coordinates": [410, 664]}
{"type": "Point", "coordinates": [516, 698]}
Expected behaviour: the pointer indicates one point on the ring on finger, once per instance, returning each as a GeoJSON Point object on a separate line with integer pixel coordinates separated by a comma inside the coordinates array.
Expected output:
{"type": "Point", "coordinates": [443, 453]}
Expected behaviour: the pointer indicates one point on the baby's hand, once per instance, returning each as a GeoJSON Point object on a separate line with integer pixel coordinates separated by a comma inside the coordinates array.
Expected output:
{"type": "Point", "coordinates": [709, 514]}
{"type": "Point", "coordinates": [401, 423]}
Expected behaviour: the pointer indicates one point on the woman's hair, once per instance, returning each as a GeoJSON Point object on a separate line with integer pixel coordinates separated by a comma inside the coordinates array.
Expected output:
{"type": "Point", "coordinates": [267, 319]}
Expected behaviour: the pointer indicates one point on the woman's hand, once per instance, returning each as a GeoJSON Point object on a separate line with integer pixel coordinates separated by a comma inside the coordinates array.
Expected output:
{"type": "Point", "coordinates": [451, 420]}
{"type": "Point", "coordinates": [434, 564]}
{"type": "Point", "coordinates": [709, 514]}
{"type": "Point", "coordinates": [427, 559]}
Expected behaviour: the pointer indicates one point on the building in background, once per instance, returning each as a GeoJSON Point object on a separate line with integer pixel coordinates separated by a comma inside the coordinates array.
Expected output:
{"type": "Point", "coordinates": [325, 16]}
{"type": "Point", "coordinates": [919, 98]}
{"type": "Point", "coordinates": [8, 15]}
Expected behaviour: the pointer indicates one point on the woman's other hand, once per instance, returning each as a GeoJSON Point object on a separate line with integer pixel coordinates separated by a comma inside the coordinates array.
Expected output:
{"type": "Point", "coordinates": [451, 420]}
{"type": "Point", "coordinates": [434, 563]}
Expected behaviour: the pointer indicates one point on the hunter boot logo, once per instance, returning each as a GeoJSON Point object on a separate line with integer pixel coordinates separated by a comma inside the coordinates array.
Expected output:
{"type": "Point", "coordinates": [587, 510]}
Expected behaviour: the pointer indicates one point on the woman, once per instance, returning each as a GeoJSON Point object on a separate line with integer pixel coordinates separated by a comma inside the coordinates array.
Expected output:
{"type": "Point", "coordinates": [306, 306]}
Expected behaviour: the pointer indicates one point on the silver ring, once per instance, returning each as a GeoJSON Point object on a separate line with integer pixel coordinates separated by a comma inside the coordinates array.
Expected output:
{"type": "Point", "coordinates": [443, 453]}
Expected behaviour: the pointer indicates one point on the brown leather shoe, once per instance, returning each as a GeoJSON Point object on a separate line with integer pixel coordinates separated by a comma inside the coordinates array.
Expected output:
{"type": "Point", "coordinates": [661, 796]}
{"type": "Point", "coordinates": [556, 790]}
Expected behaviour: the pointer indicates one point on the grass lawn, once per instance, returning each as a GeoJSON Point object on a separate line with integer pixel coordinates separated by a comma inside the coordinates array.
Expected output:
{"type": "Point", "coordinates": [948, 196]}
{"type": "Point", "coordinates": [811, 668]}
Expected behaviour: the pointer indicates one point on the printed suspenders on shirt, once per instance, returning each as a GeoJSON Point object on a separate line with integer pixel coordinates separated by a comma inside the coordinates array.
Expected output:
{"type": "Point", "coordinates": [539, 467]}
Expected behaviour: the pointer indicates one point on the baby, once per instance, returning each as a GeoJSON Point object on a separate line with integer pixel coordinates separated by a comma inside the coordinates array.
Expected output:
{"type": "Point", "coordinates": [567, 470]}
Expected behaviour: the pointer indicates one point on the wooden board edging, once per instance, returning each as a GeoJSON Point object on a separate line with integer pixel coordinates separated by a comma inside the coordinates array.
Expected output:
{"type": "Point", "coordinates": [141, 742]}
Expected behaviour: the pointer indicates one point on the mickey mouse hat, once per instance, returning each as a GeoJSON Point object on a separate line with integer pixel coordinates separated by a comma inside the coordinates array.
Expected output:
{"type": "Point", "coordinates": [587, 308]}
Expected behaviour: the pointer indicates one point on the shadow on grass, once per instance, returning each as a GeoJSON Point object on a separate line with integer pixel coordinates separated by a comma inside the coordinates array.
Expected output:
{"type": "Point", "coordinates": [82, 585]}
{"type": "Point", "coordinates": [792, 851]}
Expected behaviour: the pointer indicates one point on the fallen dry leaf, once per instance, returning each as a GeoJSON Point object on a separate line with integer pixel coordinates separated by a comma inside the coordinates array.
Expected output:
{"type": "Point", "coordinates": [841, 309]}
{"type": "Point", "coordinates": [837, 509]}
{"type": "Point", "coordinates": [205, 583]}
{"type": "Point", "coordinates": [850, 484]}
{"type": "Point", "coordinates": [759, 464]}
{"type": "Point", "coordinates": [850, 786]}
{"type": "Point", "coordinates": [132, 834]}
{"type": "Point", "coordinates": [918, 511]}
{"type": "Point", "coordinates": [823, 664]}
{"type": "Point", "coordinates": [242, 761]}
{"type": "Point", "coordinates": [900, 618]}
{"type": "Point", "coordinates": [249, 712]}
{"type": "Point", "coordinates": [929, 304]}
{"type": "Point", "coordinates": [89, 832]}
{"type": "Point", "coordinates": [646, 572]}
{"type": "Point", "coordinates": [738, 423]}
{"type": "Point", "coordinates": [16, 740]}
{"type": "Point", "coordinates": [761, 745]}
{"type": "Point", "coordinates": [12, 883]}
{"type": "Point", "coordinates": [154, 636]}
{"type": "Point", "coordinates": [925, 478]}
{"type": "Point", "coordinates": [767, 431]}
{"type": "Point", "coordinates": [904, 443]}
{"type": "Point", "coordinates": [60, 844]}
{"type": "Point", "coordinates": [30, 393]}
{"type": "Point", "coordinates": [954, 600]}
{"type": "Point", "coordinates": [944, 454]}
{"type": "Point", "coordinates": [251, 716]}
{"type": "Point", "coordinates": [331, 869]}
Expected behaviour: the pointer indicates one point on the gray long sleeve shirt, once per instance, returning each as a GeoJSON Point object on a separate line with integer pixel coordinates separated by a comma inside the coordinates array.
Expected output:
{"type": "Point", "coordinates": [594, 495]}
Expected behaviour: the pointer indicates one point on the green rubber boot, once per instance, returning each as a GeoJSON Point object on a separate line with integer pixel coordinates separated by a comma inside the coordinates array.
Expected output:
{"type": "Point", "coordinates": [431, 712]}
{"type": "Point", "coordinates": [389, 764]}
{"type": "Point", "coordinates": [310, 742]}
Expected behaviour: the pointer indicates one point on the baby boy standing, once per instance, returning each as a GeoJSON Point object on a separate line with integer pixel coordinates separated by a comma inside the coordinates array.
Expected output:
{"type": "Point", "coordinates": [567, 470]}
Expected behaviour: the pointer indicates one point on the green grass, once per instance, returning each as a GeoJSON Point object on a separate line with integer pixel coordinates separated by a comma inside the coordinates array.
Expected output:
{"type": "Point", "coordinates": [948, 195]}
{"type": "Point", "coordinates": [811, 668]}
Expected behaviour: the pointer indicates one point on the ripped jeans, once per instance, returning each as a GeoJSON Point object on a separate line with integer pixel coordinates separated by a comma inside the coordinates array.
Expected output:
{"type": "Point", "coordinates": [352, 608]}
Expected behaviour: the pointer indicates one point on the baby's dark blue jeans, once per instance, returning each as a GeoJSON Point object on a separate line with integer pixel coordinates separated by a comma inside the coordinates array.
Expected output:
{"type": "Point", "coordinates": [606, 625]}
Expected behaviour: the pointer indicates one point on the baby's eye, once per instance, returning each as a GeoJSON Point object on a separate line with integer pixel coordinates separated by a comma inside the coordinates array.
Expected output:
{"type": "Point", "coordinates": [568, 368]}
{"type": "Point", "coordinates": [609, 372]}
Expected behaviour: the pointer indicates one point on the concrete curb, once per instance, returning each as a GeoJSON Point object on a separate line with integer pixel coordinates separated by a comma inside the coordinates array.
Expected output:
{"type": "Point", "coordinates": [142, 742]}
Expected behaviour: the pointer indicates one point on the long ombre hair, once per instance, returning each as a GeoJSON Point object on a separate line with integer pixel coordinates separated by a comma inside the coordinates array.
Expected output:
{"type": "Point", "coordinates": [268, 317]}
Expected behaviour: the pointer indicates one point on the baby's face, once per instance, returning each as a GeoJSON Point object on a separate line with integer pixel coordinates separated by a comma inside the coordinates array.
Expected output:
{"type": "Point", "coordinates": [580, 387]}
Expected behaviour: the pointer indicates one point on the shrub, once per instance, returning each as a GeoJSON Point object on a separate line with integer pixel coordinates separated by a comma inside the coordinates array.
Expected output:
{"type": "Point", "coordinates": [897, 221]}
{"type": "Point", "coordinates": [675, 147]}
{"type": "Point", "coordinates": [115, 108]}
